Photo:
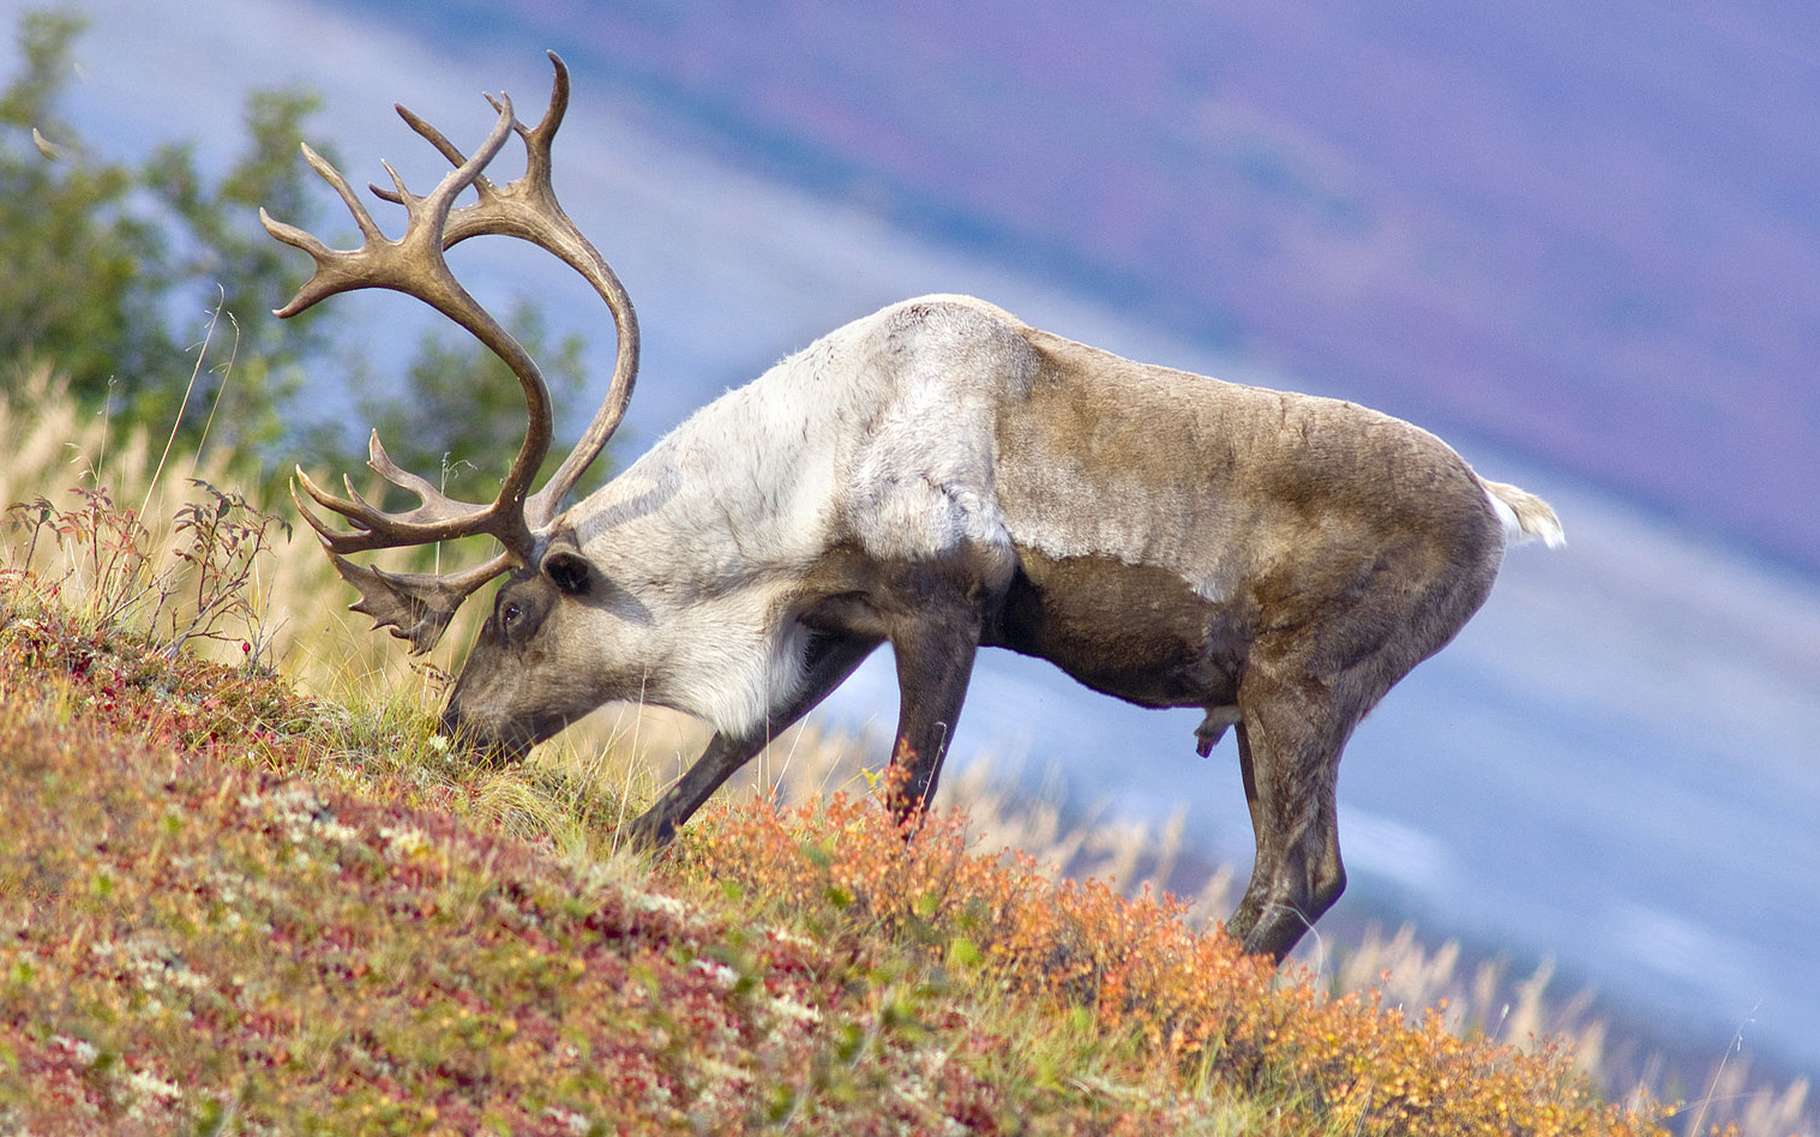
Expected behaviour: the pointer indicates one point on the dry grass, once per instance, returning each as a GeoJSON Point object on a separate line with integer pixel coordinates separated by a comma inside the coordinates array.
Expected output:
{"type": "Point", "coordinates": [297, 603]}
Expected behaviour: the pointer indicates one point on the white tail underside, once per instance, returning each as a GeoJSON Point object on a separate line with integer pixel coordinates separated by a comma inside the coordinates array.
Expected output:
{"type": "Point", "coordinates": [1524, 515]}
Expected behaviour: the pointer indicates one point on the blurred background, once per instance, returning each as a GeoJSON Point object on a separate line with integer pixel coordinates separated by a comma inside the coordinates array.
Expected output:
{"type": "Point", "coordinates": [1582, 243]}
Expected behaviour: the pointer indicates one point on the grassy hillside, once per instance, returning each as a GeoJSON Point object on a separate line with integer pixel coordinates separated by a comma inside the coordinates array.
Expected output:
{"type": "Point", "coordinates": [234, 901]}
{"type": "Point", "coordinates": [231, 909]}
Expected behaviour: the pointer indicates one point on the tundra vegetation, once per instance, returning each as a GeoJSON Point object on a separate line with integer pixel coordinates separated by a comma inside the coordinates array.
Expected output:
{"type": "Point", "coordinates": [246, 898]}
{"type": "Point", "coordinates": [247, 887]}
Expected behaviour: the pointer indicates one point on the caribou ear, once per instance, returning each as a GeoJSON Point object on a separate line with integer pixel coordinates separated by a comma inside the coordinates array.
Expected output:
{"type": "Point", "coordinates": [567, 569]}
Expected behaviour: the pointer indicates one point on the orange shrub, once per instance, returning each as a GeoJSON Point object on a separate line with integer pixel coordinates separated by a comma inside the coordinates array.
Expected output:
{"type": "Point", "coordinates": [1183, 1010]}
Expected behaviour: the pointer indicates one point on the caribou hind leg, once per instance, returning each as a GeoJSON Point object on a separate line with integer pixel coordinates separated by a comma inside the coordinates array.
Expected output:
{"type": "Point", "coordinates": [1303, 693]}
{"type": "Point", "coordinates": [1289, 756]}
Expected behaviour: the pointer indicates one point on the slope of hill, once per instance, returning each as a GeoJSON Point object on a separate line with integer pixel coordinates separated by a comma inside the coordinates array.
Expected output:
{"type": "Point", "coordinates": [231, 909]}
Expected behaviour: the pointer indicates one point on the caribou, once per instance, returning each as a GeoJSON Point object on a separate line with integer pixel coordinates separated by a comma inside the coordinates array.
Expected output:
{"type": "Point", "coordinates": [939, 476]}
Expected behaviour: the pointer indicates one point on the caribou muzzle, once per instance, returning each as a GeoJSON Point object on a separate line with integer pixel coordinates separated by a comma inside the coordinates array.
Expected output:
{"type": "Point", "coordinates": [507, 744]}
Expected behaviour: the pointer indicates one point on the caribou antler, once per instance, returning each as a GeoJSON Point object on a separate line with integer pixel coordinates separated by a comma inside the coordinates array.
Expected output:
{"type": "Point", "coordinates": [419, 606]}
{"type": "Point", "coordinates": [527, 208]}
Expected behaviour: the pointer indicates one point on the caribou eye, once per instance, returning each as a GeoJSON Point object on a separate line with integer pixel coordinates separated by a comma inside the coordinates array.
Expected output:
{"type": "Point", "coordinates": [510, 617]}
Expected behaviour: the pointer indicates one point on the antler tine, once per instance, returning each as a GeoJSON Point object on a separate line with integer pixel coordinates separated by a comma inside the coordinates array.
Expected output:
{"type": "Point", "coordinates": [321, 283]}
{"type": "Point", "coordinates": [435, 138]}
{"type": "Point", "coordinates": [334, 540]}
{"type": "Point", "coordinates": [538, 138]}
{"type": "Point", "coordinates": [378, 529]}
{"type": "Point", "coordinates": [332, 273]}
{"type": "Point", "coordinates": [428, 494]}
{"type": "Point", "coordinates": [380, 262]}
{"type": "Point", "coordinates": [441, 519]}
{"type": "Point", "coordinates": [399, 194]}
{"type": "Point", "coordinates": [537, 145]}
{"type": "Point", "coordinates": [336, 271]}
{"type": "Point", "coordinates": [414, 606]}
{"type": "Point", "coordinates": [465, 174]}
{"type": "Point", "coordinates": [414, 265]}
{"type": "Point", "coordinates": [326, 170]}
{"type": "Point", "coordinates": [527, 208]}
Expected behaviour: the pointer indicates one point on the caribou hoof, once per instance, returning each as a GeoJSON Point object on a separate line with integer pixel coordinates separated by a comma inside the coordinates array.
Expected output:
{"type": "Point", "coordinates": [651, 833]}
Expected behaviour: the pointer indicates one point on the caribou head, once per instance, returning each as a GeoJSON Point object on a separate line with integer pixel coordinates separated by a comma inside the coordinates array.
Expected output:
{"type": "Point", "coordinates": [519, 685]}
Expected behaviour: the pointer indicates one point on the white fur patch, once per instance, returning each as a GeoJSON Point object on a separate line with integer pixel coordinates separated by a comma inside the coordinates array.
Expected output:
{"type": "Point", "coordinates": [1518, 528]}
{"type": "Point", "coordinates": [731, 679]}
{"type": "Point", "coordinates": [1513, 529]}
{"type": "Point", "coordinates": [880, 433]}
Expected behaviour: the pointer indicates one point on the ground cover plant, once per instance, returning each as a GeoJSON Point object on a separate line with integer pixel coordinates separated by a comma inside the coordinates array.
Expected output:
{"type": "Point", "coordinates": [203, 933]}
{"type": "Point", "coordinates": [230, 906]}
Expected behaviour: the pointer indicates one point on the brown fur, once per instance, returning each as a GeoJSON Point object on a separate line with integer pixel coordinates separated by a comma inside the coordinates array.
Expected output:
{"type": "Point", "coordinates": [1341, 547]}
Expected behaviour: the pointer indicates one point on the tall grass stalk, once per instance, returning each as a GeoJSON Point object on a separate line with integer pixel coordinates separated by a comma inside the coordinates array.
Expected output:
{"type": "Point", "coordinates": [183, 405]}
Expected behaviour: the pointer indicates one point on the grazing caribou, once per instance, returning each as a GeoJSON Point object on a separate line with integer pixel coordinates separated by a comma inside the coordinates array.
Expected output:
{"type": "Point", "coordinates": [939, 476]}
